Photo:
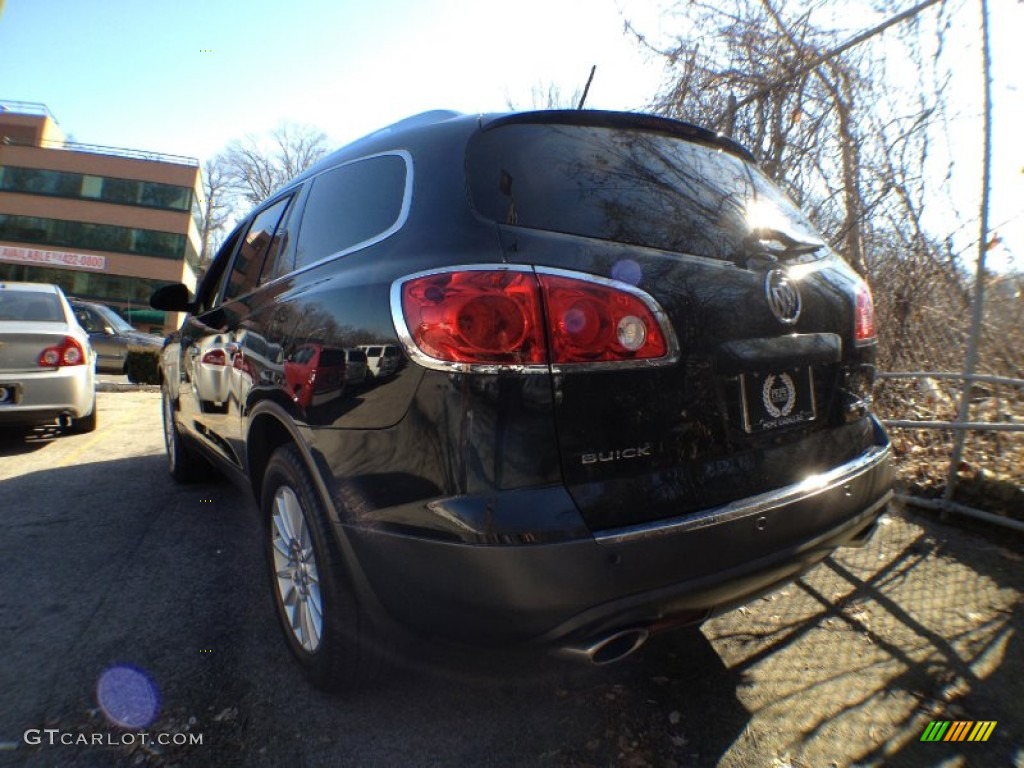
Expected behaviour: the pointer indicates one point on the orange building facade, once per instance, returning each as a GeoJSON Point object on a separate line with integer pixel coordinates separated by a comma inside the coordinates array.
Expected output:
{"type": "Point", "coordinates": [106, 224]}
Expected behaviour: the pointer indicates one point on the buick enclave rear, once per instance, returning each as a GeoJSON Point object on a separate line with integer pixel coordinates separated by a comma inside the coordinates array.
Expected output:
{"type": "Point", "coordinates": [635, 387]}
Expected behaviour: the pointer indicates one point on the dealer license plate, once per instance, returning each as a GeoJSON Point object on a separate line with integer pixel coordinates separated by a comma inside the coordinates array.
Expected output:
{"type": "Point", "coordinates": [8, 394]}
{"type": "Point", "coordinates": [778, 399]}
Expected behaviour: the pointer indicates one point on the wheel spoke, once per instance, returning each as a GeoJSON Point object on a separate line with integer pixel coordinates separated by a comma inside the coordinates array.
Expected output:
{"type": "Point", "coordinates": [310, 625]}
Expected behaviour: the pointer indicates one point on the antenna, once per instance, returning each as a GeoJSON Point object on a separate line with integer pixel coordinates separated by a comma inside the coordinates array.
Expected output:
{"type": "Point", "coordinates": [586, 88]}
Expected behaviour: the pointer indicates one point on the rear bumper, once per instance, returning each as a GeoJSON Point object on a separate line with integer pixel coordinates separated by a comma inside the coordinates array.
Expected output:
{"type": "Point", "coordinates": [639, 576]}
{"type": "Point", "coordinates": [47, 395]}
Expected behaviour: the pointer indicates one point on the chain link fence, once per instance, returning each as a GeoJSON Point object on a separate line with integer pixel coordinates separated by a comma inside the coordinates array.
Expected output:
{"type": "Point", "coordinates": [926, 322]}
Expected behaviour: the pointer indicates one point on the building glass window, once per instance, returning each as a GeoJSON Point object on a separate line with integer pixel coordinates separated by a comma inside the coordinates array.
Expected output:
{"type": "Point", "coordinates": [96, 237]}
{"type": "Point", "coordinates": [150, 194]}
{"type": "Point", "coordinates": [92, 186]}
{"type": "Point", "coordinates": [95, 286]}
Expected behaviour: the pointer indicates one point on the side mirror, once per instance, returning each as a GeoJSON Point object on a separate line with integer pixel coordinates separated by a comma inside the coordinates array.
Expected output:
{"type": "Point", "coordinates": [108, 331]}
{"type": "Point", "coordinates": [172, 298]}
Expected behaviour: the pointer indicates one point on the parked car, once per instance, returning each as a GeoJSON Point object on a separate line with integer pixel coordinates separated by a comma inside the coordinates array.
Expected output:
{"type": "Point", "coordinates": [212, 382]}
{"type": "Point", "coordinates": [357, 368]}
{"type": "Point", "coordinates": [111, 336]}
{"type": "Point", "coordinates": [382, 359]}
{"type": "Point", "coordinates": [47, 367]}
{"type": "Point", "coordinates": [316, 374]}
{"type": "Point", "coordinates": [638, 389]}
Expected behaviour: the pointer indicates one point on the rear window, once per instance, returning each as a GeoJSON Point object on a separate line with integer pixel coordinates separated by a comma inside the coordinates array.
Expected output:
{"type": "Point", "coordinates": [332, 357]}
{"type": "Point", "coordinates": [114, 320]}
{"type": "Point", "coordinates": [628, 186]}
{"type": "Point", "coordinates": [30, 306]}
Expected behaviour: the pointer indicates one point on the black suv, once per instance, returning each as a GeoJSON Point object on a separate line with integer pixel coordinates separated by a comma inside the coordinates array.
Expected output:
{"type": "Point", "coordinates": [636, 388]}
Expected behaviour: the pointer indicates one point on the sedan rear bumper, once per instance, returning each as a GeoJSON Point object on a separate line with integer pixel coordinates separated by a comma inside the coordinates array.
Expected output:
{"type": "Point", "coordinates": [46, 395]}
{"type": "Point", "coordinates": [646, 576]}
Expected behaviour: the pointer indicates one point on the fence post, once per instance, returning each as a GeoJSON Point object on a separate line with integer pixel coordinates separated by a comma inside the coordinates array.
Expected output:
{"type": "Point", "coordinates": [977, 311]}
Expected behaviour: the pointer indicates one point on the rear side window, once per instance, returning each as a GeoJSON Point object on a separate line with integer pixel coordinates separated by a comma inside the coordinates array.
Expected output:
{"type": "Point", "coordinates": [262, 238]}
{"type": "Point", "coordinates": [629, 186]}
{"type": "Point", "coordinates": [352, 205]}
{"type": "Point", "coordinates": [89, 320]}
{"type": "Point", "coordinates": [30, 306]}
{"type": "Point", "coordinates": [357, 356]}
{"type": "Point", "coordinates": [373, 352]}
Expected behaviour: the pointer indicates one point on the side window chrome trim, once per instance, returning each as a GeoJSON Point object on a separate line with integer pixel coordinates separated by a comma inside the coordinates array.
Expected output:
{"type": "Point", "coordinates": [403, 214]}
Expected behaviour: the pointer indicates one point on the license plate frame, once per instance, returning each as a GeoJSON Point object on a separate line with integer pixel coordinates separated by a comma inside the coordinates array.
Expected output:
{"type": "Point", "coordinates": [777, 399]}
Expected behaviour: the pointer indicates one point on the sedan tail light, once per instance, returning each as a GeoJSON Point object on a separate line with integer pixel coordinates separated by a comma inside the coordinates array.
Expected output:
{"type": "Point", "coordinates": [68, 352]}
{"type": "Point", "coordinates": [864, 323]}
{"type": "Point", "coordinates": [477, 319]}
{"type": "Point", "coordinates": [215, 357]}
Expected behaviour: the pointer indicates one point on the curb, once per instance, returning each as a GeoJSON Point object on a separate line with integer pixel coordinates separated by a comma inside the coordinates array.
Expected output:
{"type": "Point", "coordinates": [116, 386]}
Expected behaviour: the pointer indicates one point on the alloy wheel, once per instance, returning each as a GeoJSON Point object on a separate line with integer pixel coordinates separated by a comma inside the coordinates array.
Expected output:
{"type": "Point", "coordinates": [297, 577]}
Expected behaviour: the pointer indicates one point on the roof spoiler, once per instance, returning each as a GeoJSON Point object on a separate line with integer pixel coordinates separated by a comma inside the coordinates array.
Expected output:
{"type": "Point", "coordinates": [607, 119]}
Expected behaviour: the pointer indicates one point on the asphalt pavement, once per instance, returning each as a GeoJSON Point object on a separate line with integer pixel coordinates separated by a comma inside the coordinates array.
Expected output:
{"type": "Point", "coordinates": [137, 629]}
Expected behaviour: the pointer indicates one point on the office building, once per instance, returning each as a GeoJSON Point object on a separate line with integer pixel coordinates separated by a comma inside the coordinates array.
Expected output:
{"type": "Point", "coordinates": [106, 224]}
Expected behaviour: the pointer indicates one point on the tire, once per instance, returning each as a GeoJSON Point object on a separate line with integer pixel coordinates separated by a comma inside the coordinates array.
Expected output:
{"type": "Point", "coordinates": [86, 423]}
{"type": "Point", "coordinates": [324, 626]}
{"type": "Point", "coordinates": [182, 462]}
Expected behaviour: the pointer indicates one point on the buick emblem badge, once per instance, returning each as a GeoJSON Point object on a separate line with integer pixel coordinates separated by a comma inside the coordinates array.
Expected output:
{"type": "Point", "coordinates": [783, 297]}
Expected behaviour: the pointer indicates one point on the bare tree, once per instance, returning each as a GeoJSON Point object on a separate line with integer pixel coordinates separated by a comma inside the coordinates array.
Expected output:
{"type": "Point", "coordinates": [550, 96]}
{"type": "Point", "coordinates": [255, 166]}
{"type": "Point", "coordinates": [216, 205]}
{"type": "Point", "coordinates": [846, 139]}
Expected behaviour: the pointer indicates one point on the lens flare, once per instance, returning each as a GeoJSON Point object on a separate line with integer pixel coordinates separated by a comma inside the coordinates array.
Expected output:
{"type": "Point", "coordinates": [628, 271]}
{"type": "Point", "coordinates": [128, 697]}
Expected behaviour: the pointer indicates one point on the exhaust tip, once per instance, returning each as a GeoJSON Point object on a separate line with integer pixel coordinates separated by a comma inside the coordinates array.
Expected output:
{"type": "Point", "coordinates": [607, 649]}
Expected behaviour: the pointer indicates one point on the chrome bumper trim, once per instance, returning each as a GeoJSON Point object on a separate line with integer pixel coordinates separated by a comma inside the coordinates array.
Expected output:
{"type": "Point", "coordinates": [755, 505]}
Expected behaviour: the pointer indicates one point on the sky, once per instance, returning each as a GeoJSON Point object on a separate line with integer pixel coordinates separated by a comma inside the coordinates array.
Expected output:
{"type": "Point", "coordinates": [187, 76]}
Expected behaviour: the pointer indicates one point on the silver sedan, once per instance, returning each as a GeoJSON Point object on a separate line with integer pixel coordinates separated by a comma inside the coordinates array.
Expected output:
{"type": "Point", "coordinates": [47, 366]}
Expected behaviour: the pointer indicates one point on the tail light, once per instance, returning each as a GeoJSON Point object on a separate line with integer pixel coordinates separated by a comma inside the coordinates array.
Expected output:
{"type": "Point", "coordinates": [68, 352]}
{"type": "Point", "coordinates": [593, 322]}
{"type": "Point", "coordinates": [864, 322]}
{"type": "Point", "coordinates": [514, 317]}
{"type": "Point", "coordinates": [215, 357]}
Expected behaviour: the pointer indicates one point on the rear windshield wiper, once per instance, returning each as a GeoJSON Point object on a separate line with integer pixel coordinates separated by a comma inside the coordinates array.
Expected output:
{"type": "Point", "coordinates": [773, 245]}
